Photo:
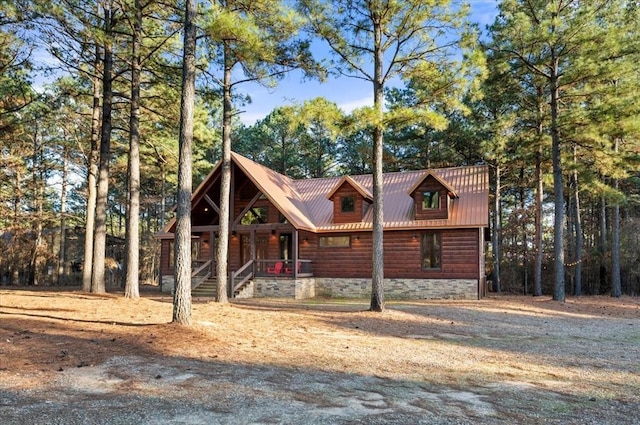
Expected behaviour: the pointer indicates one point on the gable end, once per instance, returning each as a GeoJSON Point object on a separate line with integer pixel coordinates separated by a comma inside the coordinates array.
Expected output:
{"type": "Point", "coordinates": [431, 200]}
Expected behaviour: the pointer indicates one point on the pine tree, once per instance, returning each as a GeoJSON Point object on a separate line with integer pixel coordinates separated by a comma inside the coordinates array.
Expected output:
{"type": "Point", "coordinates": [182, 256]}
{"type": "Point", "coordinates": [376, 41]}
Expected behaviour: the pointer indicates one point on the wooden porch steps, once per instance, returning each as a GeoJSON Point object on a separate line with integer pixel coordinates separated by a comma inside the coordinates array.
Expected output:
{"type": "Point", "coordinates": [205, 289]}
{"type": "Point", "coordinates": [209, 288]}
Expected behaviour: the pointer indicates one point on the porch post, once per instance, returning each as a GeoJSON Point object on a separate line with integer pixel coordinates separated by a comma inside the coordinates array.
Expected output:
{"type": "Point", "coordinates": [212, 251]}
{"type": "Point", "coordinates": [295, 253]}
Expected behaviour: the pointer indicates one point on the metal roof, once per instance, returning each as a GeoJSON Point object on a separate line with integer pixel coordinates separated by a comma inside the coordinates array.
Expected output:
{"type": "Point", "coordinates": [305, 204]}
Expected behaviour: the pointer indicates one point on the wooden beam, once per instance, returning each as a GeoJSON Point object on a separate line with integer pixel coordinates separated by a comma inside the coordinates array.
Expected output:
{"type": "Point", "coordinates": [247, 208]}
{"type": "Point", "coordinates": [207, 188]}
{"type": "Point", "coordinates": [207, 228]}
{"type": "Point", "coordinates": [213, 204]}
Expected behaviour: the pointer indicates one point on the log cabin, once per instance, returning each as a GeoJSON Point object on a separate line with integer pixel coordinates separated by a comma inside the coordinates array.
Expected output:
{"type": "Point", "coordinates": [313, 237]}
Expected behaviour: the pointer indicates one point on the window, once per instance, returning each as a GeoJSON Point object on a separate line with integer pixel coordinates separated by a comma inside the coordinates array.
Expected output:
{"type": "Point", "coordinates": [347, 204]}
{"type": "Point", "coordinates": [430, 200]}
{"type": "Point", "coordinates": [431, 251]}
{"type": "Point", "coordinates": [195, 252]}
{"type": "Point", "coordinates": [256, 215]}
{"type": "Point", "coordinates": [334, 241]}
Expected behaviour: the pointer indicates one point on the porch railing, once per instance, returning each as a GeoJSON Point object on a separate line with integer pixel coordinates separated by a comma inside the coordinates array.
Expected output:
{"type": "Point", "coordinates": [283, 268]}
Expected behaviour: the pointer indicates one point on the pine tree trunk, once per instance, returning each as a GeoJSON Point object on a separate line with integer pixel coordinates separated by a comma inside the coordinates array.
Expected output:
{"type": "Point", "coordinates": [92, 173]}
{"type": "Point", "coordinates": [131, 289]}
{"type": "Point", "coordinates": [602, 247]}
{"type": "Point", "coordinates": [377, 280]}
{"type": "Point", "coordinates": [570, 236]}
{"type": "Point", "coordinates": [577, 223]}
{"type": "Point", "coordinates": [616, 284]}
{"type": "Point", "coordinates": [163, 197]}
{"type": "Point", "coordinates": [225, 184]}
{"type": "Point", "coordinates": [497, 231]}
{"type": "Point", "coordinates": [537, 285]}
{"type": "Point", "coordinates": [558, 188]}
{"type": "Point", "coordinates": [62, 270]}
{"type": "Point", "coordinates": [182, 256]}
{"type": "Point", "coordinates": [98, 285]}
{"type": "Point", "coordinates": [525, 239]}
{"type": "Point", "coordinates": [38, 201]}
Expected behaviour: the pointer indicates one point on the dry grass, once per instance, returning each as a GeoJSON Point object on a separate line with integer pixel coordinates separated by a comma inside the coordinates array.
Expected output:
{"type": "Point", "coordinates": [584, 350]}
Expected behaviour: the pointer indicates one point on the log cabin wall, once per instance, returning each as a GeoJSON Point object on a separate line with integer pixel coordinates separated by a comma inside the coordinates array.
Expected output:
{"type": "Point", "coordinates": [166, 265]}
{"type": "Point", "coordinates": [402, 255]}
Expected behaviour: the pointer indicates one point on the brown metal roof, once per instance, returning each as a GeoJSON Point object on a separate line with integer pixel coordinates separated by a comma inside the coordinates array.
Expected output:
{"type": "Point", "coordinates": [305, 204]}
{"type": "Point", "coordinates": [279, 189]}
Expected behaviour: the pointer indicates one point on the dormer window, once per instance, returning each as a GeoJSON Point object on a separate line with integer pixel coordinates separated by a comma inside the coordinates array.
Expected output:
{"type": "Point", "coordinates": [350, 200]}
{"type": "Point", "coordinates": [347, 204]}
{"type": "Point", "coordinates": [430, 200]}
{"type": "Point", "coordinates": [432, 197]}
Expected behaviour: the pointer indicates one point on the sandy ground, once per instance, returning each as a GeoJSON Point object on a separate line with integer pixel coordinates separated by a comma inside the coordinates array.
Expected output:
{"type": "Point", "coordinates": [72, 358]}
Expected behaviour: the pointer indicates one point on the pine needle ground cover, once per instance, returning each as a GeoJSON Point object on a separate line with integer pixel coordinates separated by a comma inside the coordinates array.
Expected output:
{"type": "Point", "coordinates": [83, 358]}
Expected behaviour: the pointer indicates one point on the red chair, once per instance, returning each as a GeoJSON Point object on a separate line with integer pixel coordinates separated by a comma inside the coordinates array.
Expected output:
{"type": "Point", "coordinates": [290, 270]}
{"type": "Point", "coordinates": [276, 269]}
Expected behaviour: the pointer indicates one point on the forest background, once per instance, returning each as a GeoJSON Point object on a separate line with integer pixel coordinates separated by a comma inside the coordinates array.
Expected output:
{"type": "Point", "coordinates": [547, 97]}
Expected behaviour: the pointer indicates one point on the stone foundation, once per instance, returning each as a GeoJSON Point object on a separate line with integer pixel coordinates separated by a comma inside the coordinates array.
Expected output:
{"type": "Point", "coordinates": [284, 288]}
{"type": "Point", "coordinates": [166, 284]}
{"type": "Point", "coordinates": [398, 289]}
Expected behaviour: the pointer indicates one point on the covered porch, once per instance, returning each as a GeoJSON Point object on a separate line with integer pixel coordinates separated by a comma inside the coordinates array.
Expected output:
{"type": "Point", "coordinates": [263, 252]}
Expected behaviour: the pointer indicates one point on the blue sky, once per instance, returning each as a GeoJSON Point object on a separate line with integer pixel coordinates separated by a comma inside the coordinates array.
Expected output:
{"type": "Point", "coordinates": [347, 93]}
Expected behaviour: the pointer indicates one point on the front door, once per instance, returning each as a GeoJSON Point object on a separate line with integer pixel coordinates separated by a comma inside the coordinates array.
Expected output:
{"type": "Point", "coordinates": [262, 246]}
{"type": "Point", "coordinates": [286, 246]}
{"type": "Point", "coordinates": [245, 249]}
{"type": "Point", "coordinates": [262, 251]}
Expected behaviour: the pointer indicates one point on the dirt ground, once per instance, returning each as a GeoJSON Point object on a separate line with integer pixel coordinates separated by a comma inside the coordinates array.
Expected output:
{"type": "Point", "coordinates": [72, 358]}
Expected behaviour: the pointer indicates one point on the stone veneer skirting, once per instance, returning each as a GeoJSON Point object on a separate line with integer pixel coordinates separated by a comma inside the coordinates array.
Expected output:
{"type": "Point", "coordinates": [166, 283]}
{"type": "Point", "coordinates": [399, 289]}
{"type": "Point", "coordinates": [284, 288]}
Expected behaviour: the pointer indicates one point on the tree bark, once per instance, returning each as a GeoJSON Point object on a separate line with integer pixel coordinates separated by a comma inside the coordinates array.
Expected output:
{"type": "Point", "coordinates": [537, 284]}
{"type": "Point", "coordinates": [38, 201]}
{"type": "Point", "coordinates": [525, 239]}
{"type": "Point", "coordinates": [577, 224]}
{"type": "Point", "coordinates": [132, 286]}
{"type": "Point", "coordinates": [100, 232]}
{"type": "Point", "coordinates": [377, 279]}
{"type": "Point", "coordinates": [616, 284]}
{"type": "Point", "coordinates": [225, 182]}
{"type": "Point", "coordinates": [182, 256]}
{"type": "Point", "coordinates": [92, 173]}
{"type": "Point", "coordinates": [602, 247]}
{"type": "Point", "coordinates": [62, 270]}
{"type": "Point", "coordinates": [558, 187]}
{"type": "Point", "coordinates": [497, 231]}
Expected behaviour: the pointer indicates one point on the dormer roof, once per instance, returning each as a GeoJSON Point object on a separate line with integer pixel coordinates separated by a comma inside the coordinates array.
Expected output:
{"type": "Point", "coordinates": [366, 194]}
{"type": "Point", "coordinates": [431, 173]}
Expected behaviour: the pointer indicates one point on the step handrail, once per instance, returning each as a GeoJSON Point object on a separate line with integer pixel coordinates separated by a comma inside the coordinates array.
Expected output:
{"type": "Point", "coordinates": [197, 271]}
{"type": "Point", "coordinates": [238, 273]}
